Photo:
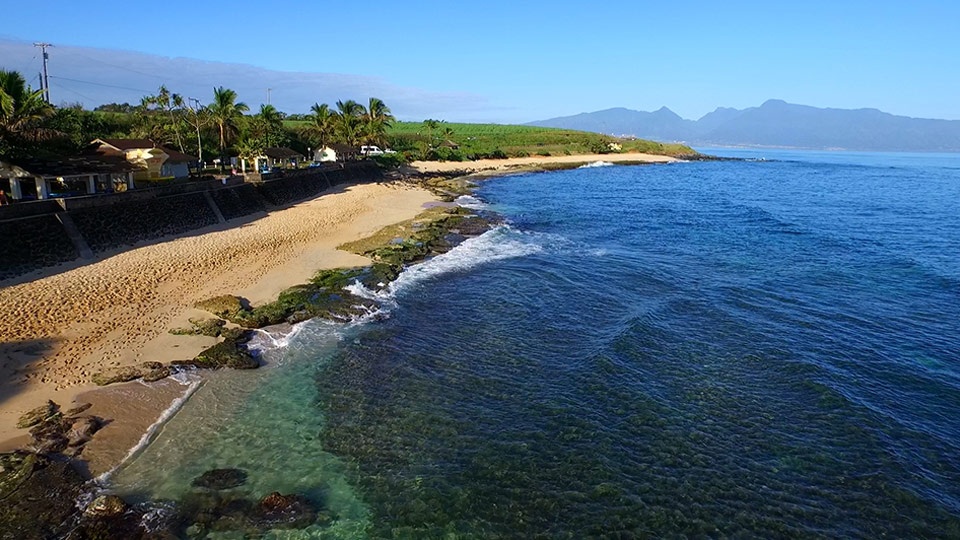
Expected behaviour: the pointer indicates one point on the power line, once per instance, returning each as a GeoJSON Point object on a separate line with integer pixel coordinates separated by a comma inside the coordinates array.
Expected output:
{"type": "Point", "coordinates": [147, 92]}
{"type": "Point", "coordinates": [75, 92]}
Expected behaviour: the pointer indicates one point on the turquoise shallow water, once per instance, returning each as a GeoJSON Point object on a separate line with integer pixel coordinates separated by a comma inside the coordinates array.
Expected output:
{"type": "Point", "coordinates": [759, 348]}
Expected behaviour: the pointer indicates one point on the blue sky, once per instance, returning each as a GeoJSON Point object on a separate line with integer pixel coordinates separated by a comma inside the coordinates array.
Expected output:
{"type": "Point", "coordinates": [522, 61]}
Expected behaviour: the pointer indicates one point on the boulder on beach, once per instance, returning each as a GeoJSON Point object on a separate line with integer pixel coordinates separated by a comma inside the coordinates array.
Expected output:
{"type": "Point", "coordinates": [201, 327]}
{"type": "Point", "coordinates": [223, 306]}
{"type": "Point", "coordinates": [40, 414]}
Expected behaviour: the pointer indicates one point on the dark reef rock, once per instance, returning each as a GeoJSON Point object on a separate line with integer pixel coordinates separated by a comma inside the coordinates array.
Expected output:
{"type": "Point", "coordinates": [238, 335]}
{"type": "Point", "coordinates": [217, 479]}
{"type": "Point", "coordinates": [106, 506]}
{"type": "Point", "coordinates": [37, 496]}
{"type": "Point", "coordinates": [227, 353]}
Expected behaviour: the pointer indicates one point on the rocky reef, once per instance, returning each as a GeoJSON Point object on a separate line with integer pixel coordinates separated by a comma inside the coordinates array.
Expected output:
{"type": "Point", "coordinates": [392, 248]}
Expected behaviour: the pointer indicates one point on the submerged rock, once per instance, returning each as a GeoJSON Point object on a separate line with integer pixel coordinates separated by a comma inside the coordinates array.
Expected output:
{"type": "Point", "coordinates": [79, 409]}
{"type": "Point", "coordinates": [217, 479]}
{"type": "Point", "coordinates": [82, 429]}
{"type": "Point", "coordinates": [293, 511]}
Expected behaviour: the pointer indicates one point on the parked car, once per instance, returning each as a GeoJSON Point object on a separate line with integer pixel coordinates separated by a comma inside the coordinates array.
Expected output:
{"type": "Point", "coordinates": [371, 151]}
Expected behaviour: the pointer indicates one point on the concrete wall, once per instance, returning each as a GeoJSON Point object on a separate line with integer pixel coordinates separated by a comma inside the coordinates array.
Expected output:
{"type": "Point", "coordinates": [32, 235]}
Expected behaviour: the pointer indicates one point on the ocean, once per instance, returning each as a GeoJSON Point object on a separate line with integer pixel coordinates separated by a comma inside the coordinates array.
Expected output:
{"type": "Point", "coordinates": [759, 348]}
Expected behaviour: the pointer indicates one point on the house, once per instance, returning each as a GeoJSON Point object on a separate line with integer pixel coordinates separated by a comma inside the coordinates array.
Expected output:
{"type": "Point", "coordinates": [281, 157]}
{"type": "Point", "coordinates": [66, 177]}
{"type": "Point", "coordinates": [335, 152]}
{"type": "Point", "coordinates": [153, 161]}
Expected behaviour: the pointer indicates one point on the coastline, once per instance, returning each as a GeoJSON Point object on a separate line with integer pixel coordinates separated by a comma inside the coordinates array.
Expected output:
{"type": "Point", "coordinates": [116, 312]}
{"type": "Point", "coordinates": [71, 322]}
{"type": "Point", "coordinates": [533, 162]}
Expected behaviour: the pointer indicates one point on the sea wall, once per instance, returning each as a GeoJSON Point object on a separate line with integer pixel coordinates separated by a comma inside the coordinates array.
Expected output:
{"type": "Point", "coordinates": [38, 234]}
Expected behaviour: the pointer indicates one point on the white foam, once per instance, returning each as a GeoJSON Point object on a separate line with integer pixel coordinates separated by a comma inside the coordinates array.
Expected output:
{"type": "Point", "coordinates": [502, 242]}
{"type": "Point", "coordinates": [596, 164]}
{"type": "Point", "coordinates": [469, 201]}
{"type": "Point", "coordinates": [148, 436]}
{"type": "Point", "coordinates": [277, 337]}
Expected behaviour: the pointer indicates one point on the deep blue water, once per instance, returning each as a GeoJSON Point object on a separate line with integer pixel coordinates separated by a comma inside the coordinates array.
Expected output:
{"type": "Point", "coordinates": [749, 349]}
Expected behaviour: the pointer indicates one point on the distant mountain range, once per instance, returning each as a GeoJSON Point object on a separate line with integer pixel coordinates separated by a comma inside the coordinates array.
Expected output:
{"type": "Point", "coordinates": [776, 123]}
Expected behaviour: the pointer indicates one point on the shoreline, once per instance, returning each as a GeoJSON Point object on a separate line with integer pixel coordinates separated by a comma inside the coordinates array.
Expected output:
{"type": "Point", "coordinates": [532, 162]}
{"type": "Point", "coordinates": [73, 321]}
{"type": "Point", "coordinates": [351, 212]}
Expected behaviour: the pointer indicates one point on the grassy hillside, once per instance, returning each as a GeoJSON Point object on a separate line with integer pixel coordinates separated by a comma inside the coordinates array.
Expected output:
{"type": "Point", "coordinates": [496, 140]}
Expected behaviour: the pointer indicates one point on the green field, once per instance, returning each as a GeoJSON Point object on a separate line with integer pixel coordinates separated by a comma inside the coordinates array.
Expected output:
{"type": "Point", "coordinates": [497, 140]}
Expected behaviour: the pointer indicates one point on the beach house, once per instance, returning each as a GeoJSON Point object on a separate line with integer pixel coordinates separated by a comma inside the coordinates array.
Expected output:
{"type": "Point", "coordinates": [335, 152]}
{"type": "Point", "coordinates": [65, 177]}
{"type": "Point", "coordinates": [152, 161]}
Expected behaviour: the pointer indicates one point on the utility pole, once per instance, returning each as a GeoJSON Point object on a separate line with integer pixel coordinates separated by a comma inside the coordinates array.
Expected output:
{"type": "Point", "coordinates": [196, 118]}
{"type": "Point", "coordinates": [46, 82]}
{"type": "Point", "coordinates": [268, 95]}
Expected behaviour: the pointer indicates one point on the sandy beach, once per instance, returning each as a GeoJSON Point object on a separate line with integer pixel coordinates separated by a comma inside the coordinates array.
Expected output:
{"type": "Point", "coordinates": [482, 165]}
{"type": "Point", "coordinates": [60, 327]}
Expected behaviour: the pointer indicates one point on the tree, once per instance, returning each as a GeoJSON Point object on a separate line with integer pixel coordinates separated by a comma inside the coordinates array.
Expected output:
{"type": "Point", "coordinates": [322, 124]}
{"type": "Point", "coordinates": [267, 127]}
{"type": "Point", "coordinates": [377, 119]}
{"type": "Point", "coordinates": [22, 113]}
{"type": "Point", "coordinates": [349, 117]}
{"type": "Point", "coordinates": [226, 113]}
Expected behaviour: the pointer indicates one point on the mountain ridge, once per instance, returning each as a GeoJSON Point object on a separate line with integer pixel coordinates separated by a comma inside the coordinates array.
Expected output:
{"type": "Point", "coordinates": [775, 123]}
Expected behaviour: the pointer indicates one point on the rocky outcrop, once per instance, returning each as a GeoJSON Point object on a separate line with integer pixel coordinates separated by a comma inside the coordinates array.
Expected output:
{"type": "Point", "coordinates": [53, 432]}
{"type": "Point", "coordinates": [148, 371]}
{"type": "Point", "coordinates": [201, 327]}
{"type": "Point", "coordinates": [226, 354]}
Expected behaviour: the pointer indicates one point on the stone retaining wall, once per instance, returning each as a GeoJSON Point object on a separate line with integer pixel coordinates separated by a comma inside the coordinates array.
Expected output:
{"type": "Point", "coordinates": [33, 237]}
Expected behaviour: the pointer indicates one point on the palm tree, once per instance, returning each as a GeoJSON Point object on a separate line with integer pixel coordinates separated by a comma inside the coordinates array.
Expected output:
{"type": "Point", "coordinates": [349, 116]}
{"type": "Point", "coordinates": [22, 110]}
{"type": "Point", "coordinates": [376, 121]}
{"type": "Point", "coordinates": [226, 113]}
{"type": "Point", "coordinates": [268, 126]}
{"type": "Point", "coordinates": [322, 124]}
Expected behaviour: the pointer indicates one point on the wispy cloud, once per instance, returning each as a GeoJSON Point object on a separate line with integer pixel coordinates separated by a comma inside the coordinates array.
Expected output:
{"type": "Point", "coordinates": [97, 76]}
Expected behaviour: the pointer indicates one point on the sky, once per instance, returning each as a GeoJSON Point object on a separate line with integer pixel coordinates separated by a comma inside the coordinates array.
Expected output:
{"type": "Point", "coordinates": [506, 61]}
